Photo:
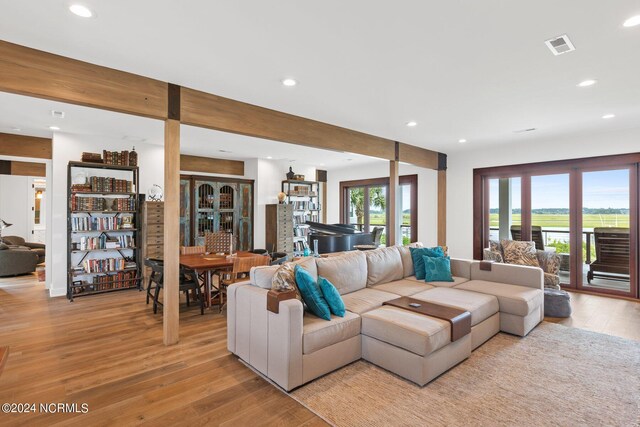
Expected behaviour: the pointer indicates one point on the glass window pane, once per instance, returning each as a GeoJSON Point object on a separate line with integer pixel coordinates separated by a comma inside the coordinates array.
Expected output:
{"type": "Point", "coordinates": [605, 229]}
{"type": "Point", "coordinates": [504, 207]}
{"type": "Point", "coordinates": [356, 207]}
{"type": "Point", "coordinates": [378, 209]}
{"type": "Point", "coordinates": [550, 217]}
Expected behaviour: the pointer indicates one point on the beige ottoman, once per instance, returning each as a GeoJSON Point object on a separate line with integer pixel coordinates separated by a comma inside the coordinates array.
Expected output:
{"type": "Point", "coordinates": [412, 345]}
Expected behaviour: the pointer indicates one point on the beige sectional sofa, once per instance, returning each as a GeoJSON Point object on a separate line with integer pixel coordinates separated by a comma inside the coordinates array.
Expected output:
{"type": "Point", "coordinates": [294, 347]}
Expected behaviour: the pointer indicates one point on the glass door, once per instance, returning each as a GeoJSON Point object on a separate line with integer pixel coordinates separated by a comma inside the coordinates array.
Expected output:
{"type": "Point", "coordinates": [605, 220]}
{"type": "Point", "coordinates": [377, 211]}
{"type": "Point", "coordinates": [505, 209]}
{"type": "Point", "coordinates": [356, 208]}
{"type": "Point", "coordinates": [551, 218]}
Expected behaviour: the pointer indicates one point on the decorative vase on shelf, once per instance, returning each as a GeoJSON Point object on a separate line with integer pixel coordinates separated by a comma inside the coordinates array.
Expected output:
{"type": "Point", "coordinates": [290, 174]}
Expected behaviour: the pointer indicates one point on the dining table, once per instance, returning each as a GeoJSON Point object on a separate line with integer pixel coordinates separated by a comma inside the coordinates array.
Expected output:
{"type": "Point", "coordinates": [208, 264]}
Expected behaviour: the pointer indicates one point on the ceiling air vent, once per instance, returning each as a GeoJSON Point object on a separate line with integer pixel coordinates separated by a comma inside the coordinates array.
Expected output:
{"type": "Point", "coordinates": [559, 45]}
{"type": "Point", "coordinates": [524, 130]}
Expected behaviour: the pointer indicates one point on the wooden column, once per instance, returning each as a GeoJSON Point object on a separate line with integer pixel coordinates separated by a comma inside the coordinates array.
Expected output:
{"type": "Point", "coordinates": [442, 207]}
{"type": "Point", "coordinates": [171, 315]}
{"type": "Point", "coordinates": [392, 201]}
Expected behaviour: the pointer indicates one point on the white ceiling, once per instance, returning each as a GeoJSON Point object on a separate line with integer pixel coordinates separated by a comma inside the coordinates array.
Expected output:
{"type": "Point", "coordinates": [32, 116]}
{"type": "Point", "coordinates": [462, 69]}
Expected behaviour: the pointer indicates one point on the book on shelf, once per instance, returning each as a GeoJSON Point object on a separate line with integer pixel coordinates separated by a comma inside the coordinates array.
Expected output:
{"type": "Point", "coordinates": [81, 203]}
{"type": "Point", "coordinates": [120, 158]}
{"type": "Point", "coordinates": [91, 157]}
{"type": "Point", "coordinates": [89, 223]}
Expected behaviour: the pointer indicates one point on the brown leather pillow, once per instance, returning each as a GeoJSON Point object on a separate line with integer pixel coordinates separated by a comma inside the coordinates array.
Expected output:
{"type": "Point", "coordinates": [520, 253]}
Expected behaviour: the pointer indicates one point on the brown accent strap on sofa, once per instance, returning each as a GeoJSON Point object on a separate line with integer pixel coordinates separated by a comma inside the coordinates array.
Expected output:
{"type": "Point", "coordinates": [486, 265]}
{"type": "Point", "coordinates": [274, 297]}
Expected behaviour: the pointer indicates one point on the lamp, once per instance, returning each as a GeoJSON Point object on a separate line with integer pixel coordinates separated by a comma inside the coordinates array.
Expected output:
{"type": "Point", "coordinates": [3, 225]}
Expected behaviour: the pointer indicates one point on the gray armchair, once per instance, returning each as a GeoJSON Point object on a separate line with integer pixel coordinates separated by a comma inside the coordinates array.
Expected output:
{"type": "Point", "coordinates": [17, 261]}
{"type": "Point", "coordinates": [38, 248]}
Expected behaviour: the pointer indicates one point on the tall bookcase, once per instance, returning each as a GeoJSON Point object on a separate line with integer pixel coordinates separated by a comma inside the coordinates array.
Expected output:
{"type": "Point", "coordinates": [102, 229]}
{"type": "Point", "coordinates": [304, 199]}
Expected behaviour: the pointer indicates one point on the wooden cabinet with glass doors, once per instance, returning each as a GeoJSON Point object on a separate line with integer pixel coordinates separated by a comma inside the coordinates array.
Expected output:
{"type": "Point", "coordinates": [209, 204]}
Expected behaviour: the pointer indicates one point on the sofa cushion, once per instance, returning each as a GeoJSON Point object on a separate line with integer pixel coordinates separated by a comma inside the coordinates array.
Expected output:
{"type": "Point", "coordinates": [263, 276]}
{"type": "Point", "coordinates": [437, 269]}
{"type": "Point", "coordinates": [366, 299]}
{"type": "Point", "coordinates": [417, 255]}
{"type": "Point", "coordinates": [332, 296]}
{"type": "Point", "coordinates": [413, 332]}
{"type": "Point", "coordinates": [481, 306]}
{"type": "Point", "coordinates": [404, 287]}
{"type": "Point", "coordinates": [309, 264]}
{"type": "Point", "coordinates": [407, 261]}
{"type": "Point", "coordinates": [311, 294]}
{"type": "Point", "coordinates": [520, 253]}
{"type": "Point", "coordinates": [383, 265]}
{"type": "Point", "coordinates": [347, 272]}
{"type": "Point", "coordinates": [456, 281]}
{"type": "Point", "coordinates": [513, 299]}
{"type": "Point", "coordinates": [318, 333]}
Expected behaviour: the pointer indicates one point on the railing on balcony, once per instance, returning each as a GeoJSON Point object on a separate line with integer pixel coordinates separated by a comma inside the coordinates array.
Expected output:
{"type": "Point", "coordinates": [587, 239]}
{"type": "Point", "coordinates": [404, 228]}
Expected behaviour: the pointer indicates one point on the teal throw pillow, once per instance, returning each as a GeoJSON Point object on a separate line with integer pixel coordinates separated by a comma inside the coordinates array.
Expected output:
{"type": "Point", "coordinates": [417, 255]}
{"type": "Point", "coordinates": [437, 269]}
{"type": "Point", "coordinates": [311, 294]}
{"type": "Point", "coordinates": [332, 296]}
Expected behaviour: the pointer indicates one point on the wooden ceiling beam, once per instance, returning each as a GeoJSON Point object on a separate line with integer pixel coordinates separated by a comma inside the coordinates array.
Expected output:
{"type": "Point", "coordinates": [211, 165]}
{"type": "Point", "coordinates": [32, 72]}
{"type": "Point", "coordinates": [224, 114]}
{"type": "Point", "coordinates": [25, 146]}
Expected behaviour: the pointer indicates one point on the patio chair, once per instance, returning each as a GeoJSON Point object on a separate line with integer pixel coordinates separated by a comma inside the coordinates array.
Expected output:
{"type": "Point", "coordinates": [612, 254]}
{"type": "Point", "coordinates": [536, 235]}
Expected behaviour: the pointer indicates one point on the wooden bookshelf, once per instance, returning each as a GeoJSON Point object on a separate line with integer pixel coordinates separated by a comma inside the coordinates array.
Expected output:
{"type": "Point", "coordinates": [88, 228]}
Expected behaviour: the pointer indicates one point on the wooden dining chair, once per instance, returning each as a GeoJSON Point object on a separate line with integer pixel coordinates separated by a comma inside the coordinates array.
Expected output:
{"type": "Point", "coordinates": [240, 271]}
{"type": "Point", "coordinates": [192, 250]}
{"type": "Point", "coordinates": [218, 242]}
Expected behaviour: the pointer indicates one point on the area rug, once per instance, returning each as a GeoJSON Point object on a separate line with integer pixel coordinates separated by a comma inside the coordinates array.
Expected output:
{"type": "Point", "coordinates": [556, 376]}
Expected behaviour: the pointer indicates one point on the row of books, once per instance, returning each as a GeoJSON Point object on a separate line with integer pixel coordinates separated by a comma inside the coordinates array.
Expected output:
{"type": "Point", "coordinates": [106, 223]}
{"type": "Point", "coordinates": [300, 245]}
{"type": "Point", "coordinates": [105, 282]}
{"type": "Point", "coordinates": [303, 217]}
{"type": "Point", "coordinates": [301, 230]}
{"type": "Point", "coordinates": [122, 158]}
{"type": "Point", "coordinates": [304, 205]}
{"type": "Point", "coordinates": [102, 204]}
{"type": "Point", "coordinates": [106, 264]}
{"type": "Point", "coordinates": [104, 242]}
{"type": "Point", "coordinates": [104, 184]}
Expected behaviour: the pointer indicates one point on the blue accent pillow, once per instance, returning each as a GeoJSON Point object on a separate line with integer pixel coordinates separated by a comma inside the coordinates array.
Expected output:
{"type": "Point", "coordinates": [417, 255]}
{"type": "Point", "coordinates": [437, 269]}
{"type": "Point", "coordinates": [332, 296]}
{"type": "Point", "coordinates": [311, 294]}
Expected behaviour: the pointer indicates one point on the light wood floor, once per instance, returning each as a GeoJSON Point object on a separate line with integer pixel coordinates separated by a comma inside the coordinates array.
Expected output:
{"type": "Point", "coordinates": [107, 351]}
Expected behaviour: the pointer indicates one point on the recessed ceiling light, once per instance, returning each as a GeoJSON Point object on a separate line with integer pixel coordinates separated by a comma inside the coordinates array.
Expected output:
{"type": "Point", "coordinates": [289, 82]}
{"type": "Point", "coordinates": [632, 22]}
{"type": "Point", "coordinates": [269, 157]}
{"type": "Point", "coordinates": [412, 124]}
{"type": "Point", "coordinates": [54, 128]}
{"type": "Point", "coordinates": [587, 83]}
{"type": "Point", "coordinates": [81, 11]}
{"type": "Point", "coordinates": [608, 116]}
{"type": "Point", "coordinates": [462, 141]}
